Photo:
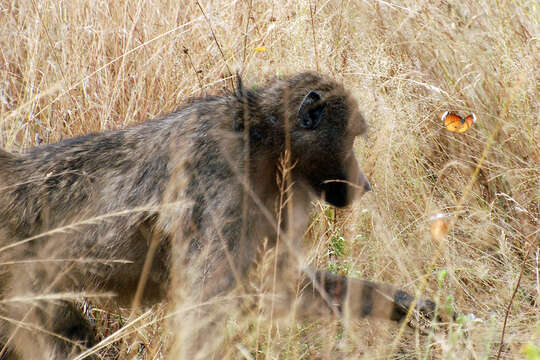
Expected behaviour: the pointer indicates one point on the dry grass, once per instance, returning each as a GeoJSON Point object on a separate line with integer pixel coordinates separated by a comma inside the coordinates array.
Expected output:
{"type": "Point", "coordinates": [72, 67]}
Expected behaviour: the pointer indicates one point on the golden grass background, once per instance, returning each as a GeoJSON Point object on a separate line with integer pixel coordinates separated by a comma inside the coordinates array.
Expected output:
{"type": "Point", "coordinates": [68, 68]}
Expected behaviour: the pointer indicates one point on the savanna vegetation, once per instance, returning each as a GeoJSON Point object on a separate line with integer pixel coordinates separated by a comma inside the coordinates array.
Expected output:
{"type": "Point", "coordinates": [453, 216]}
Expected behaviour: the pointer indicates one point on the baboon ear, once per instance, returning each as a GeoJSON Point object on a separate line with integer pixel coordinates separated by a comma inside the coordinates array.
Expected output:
{"type": "Point", "coordinates": [311, 110]}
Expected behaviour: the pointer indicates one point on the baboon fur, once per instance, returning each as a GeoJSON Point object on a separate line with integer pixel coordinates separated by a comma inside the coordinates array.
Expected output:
{"type": "Point", "coordinates": [203, 183]}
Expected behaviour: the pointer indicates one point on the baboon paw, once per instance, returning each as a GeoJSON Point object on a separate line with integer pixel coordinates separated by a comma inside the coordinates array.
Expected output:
{"type": "Point", "coordinates": [422, 317]}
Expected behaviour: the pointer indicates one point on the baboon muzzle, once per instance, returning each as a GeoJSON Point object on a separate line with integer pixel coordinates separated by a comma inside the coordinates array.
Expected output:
{"type": "Point", "coordinates": [344, 188]}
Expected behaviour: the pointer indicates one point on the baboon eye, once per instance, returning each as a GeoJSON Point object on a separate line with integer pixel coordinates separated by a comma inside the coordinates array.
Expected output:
{"type": "Point", "coordinates": [311, 110]}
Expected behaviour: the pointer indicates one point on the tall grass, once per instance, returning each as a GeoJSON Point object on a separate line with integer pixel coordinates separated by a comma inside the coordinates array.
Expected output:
{"type": "Point", "coordinates": [68, 68]}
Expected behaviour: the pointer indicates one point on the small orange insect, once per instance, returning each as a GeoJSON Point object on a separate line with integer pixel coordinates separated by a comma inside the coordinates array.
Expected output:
{"type": "Point", "coordinates": [456, 123]}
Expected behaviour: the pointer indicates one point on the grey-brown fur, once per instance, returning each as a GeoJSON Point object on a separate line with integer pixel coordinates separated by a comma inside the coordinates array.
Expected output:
{"type": "Point", "coordinates": [181, 180]}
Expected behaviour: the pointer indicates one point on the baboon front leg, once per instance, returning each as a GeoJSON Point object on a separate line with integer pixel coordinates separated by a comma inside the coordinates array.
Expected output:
{"type": "Point", "coordinates": [72, 325]}
{"type": "Point", "coordinates": [41, 329]}
{"type": "Point", "coordinates": [361, 298]}
{"type": "Point", "coordinates": [48, 331]}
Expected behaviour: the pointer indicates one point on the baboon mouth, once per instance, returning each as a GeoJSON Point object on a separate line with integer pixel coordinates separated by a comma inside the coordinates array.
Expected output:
{"type": "Point", "coordinates": [336, 193]}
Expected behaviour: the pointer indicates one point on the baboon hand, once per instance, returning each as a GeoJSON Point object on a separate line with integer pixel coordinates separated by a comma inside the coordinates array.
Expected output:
{"type": "Point", "coordinates": [421, 317]}
{"type": "Point", "coordinates": [372, 299]}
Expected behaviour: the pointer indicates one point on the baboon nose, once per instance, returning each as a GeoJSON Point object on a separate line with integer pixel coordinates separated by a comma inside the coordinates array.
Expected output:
{"type": "Point", "coordinates": [367, 186]}
{"type": "Point", "coordinates": [364, 182]}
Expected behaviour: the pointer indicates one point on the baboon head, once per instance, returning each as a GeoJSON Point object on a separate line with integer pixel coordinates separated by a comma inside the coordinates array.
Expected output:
{"type": "Point", "coordinates": [319, 121]}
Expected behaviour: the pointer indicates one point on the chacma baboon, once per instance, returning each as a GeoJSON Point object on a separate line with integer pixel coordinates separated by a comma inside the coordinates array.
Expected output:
{"type": "Point", "coordinates": [200, 187]}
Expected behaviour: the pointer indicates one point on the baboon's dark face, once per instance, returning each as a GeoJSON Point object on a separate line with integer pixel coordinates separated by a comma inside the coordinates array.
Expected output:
{"type": "Point", "coordinates": [323, 130]}
{"type": "Point", "coordinates": [342, 185]}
